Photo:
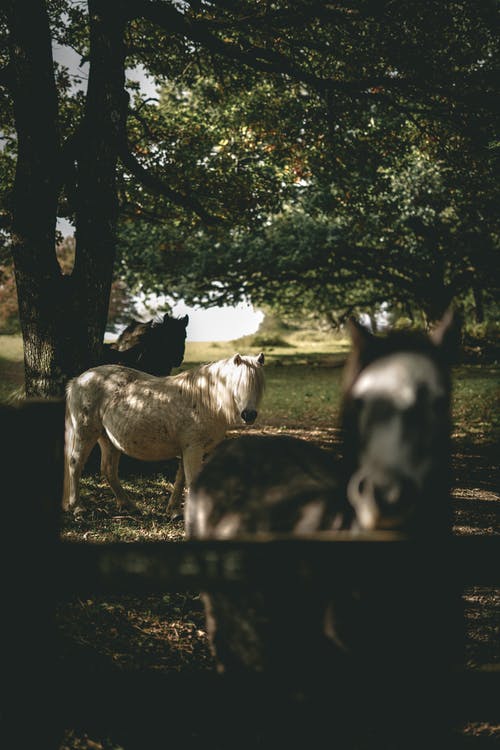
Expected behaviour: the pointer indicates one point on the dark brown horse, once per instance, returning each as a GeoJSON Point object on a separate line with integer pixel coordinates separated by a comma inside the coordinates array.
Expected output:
{"type": "Point", "coordinates": [154, 347]}
{"type": "Point", "coordinates": [393, 475]}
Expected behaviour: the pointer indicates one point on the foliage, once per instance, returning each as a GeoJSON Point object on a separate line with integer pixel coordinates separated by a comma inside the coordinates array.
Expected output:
{"type": "Point", "coordinates": [335, 202]}
{"type": "Point", "coordinates": [321, 156]}
{"type": "Point", "coordinates": [9, 319]}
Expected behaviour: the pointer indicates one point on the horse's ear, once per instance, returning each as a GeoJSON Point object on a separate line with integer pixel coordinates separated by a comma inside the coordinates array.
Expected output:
{"type": "Point", "coordinates": [261, 359]}
{"type": "Point", "coordinates": [360, 336]}
{"type": "Point", "coordinates": [446, 334]}
{"type": "Point", "coordinates": [185, 320]}
{"type": "Point", "coordinates": [237, 359]}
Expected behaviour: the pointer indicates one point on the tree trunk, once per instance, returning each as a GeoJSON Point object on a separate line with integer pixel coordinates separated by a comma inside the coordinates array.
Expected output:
{"type": "Point", "coordinates": [478, 304]}
{"type": "Point", "coordinates": [97, 201]}
{"type": "Point", "coordinates": [63, 318]}
{"type": "Point", "coordinates": [34, 199]}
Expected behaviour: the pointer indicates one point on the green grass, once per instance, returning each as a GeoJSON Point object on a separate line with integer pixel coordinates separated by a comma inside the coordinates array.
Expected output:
{"type": "Point", "coordinates": [302, 393]}
{"type": "Point", "coordinates": [308, 348]}
{"type": "Point", "coordinates": [303, 382]}
{"type": "Point", "coordinates": [100, 520]}
{"type": "Point", "coordinates": [302, 376]}
{"type": "Point", "coordinates": [476, 399]}
{"type": "Point", "coordinates": [11, 366]}
{"type": "Point", "coordinates": [11, 348]}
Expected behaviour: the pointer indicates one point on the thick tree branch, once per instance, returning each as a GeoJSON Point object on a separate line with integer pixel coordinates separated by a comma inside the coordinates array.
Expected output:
{"type": "Point", "coordinates": [269, 60]}
{"type": "Point", "coordinates": [146, 128]}
{"type": "Point", "coordinates": [259, 58]}
{"type": "Point", "coordinates": [155, 183]}
{"type": "Point", "coordinates": [282, 19]}
{"type": "Point", "coordinates": [135, 210]}
{"type": "Point", "coordinates": [5, 76]}
{"type": "Point", "coordinates": [5, 221]}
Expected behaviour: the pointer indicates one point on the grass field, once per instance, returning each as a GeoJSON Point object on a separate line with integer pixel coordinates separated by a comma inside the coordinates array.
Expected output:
{"type": "Point", "coordinates": [302, 397]}
{"type": "Point", "coordinates": [303, 374]}
{"type": "Point", "coordinates": [11, 366]}
{"type": "Point", "coordinates": [303, 382]}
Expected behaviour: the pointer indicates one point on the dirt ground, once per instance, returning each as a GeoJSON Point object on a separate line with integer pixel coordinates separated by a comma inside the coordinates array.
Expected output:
{"type": "Point", "coordinates": [167, 633]}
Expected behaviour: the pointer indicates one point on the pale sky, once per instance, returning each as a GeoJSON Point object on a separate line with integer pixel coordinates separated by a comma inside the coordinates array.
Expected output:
{"type": "Point", "coordinates": [220, 323]}
{"type": "Point", "coordinates": [215, 323]}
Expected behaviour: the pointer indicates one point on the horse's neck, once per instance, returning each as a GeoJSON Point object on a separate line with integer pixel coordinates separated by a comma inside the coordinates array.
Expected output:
{"type": "Point", "coordinates": [202, 384]}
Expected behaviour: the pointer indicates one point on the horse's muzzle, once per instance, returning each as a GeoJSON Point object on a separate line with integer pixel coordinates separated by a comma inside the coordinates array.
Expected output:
{"type": "Point", "coordinates": [249, 416]}
{"type": "Point", "coordinates": [382, 502]}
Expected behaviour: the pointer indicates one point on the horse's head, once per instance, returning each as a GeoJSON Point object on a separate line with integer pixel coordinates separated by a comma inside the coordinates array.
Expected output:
{"type": "Point", "coordinates": [248, 385]}
{"type": "Point", "coordinates": [173, 336]}
{"type": "Point", "coordinates": [162, 344]}
{"type": "Point", "coordinates": [131, 336]}
{"type": "Point", "coordinates": [397, 424]}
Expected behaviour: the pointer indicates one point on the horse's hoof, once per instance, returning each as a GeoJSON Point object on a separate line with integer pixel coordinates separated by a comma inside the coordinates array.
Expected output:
{"type": "Point", "coordinates": [128, 506]}
{"type": "Point", "coordinates": [175, 515]}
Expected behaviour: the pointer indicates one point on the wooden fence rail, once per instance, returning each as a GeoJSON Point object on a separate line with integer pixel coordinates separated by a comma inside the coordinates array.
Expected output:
{"type": "Point", "coordinates": [275, 561]}
{"type": "Point", "coordinates": [38, 570]}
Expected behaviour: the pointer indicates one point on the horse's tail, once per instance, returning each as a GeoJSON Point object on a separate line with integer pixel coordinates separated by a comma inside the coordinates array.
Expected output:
{"type": "Point", "coordinates": [69, 444]}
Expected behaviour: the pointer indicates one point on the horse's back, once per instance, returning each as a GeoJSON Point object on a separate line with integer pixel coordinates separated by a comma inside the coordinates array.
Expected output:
{"type": "Point", "coordinates": [137, 411]}
{"type": "Point", "coordinates": [261, 483]}
{"type": "Point", "coordinates": [98, 385]}
{"type": "Point", "coordinates": [110, 375]}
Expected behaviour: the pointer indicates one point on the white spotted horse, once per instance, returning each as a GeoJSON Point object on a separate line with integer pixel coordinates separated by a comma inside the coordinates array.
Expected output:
{"type": "Point", "coordinates": [156, 418]}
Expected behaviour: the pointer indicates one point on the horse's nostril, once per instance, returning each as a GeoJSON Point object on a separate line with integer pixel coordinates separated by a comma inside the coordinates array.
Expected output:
{"type": "Point", "coordinates": [395, 496]}
{"type": "Point", "coordinates": [249, 415]}
{"type": "Point", "coordinates": [387, 494]}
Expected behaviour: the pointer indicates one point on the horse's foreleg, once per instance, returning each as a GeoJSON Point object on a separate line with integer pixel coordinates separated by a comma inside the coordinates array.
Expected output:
{"type": "Point", "coordinates": [110, 458]}
{"type": "Point", "coordinates": [174, 506]}
{"type": "Point", "coordinates": [188, 468]}
{"type": "Point", "coordinates": [193, 459]}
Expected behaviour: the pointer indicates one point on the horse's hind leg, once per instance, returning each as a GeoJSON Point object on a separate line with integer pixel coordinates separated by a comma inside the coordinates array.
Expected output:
{"type": "Point", "coordinates": [110, 458]}
{"type": "Point", "coordinates": [78, 444]}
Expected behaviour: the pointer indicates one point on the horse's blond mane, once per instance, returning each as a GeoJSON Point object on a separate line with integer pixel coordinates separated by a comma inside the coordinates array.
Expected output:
{"type": "Point", "coordinates": [212, 386]}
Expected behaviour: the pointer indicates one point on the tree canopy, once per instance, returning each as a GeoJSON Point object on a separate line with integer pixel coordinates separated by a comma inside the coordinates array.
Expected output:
{"type": "Point", "coordinates": [366, 173]}
{"type": "Point", "coordinates": [322, 155]}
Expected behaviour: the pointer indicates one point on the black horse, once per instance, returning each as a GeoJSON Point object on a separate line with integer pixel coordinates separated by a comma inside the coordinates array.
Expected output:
{"type": "Point", "coordinates": [154, 347]}
{"type": "Point", "coordinates": [393, 476]}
